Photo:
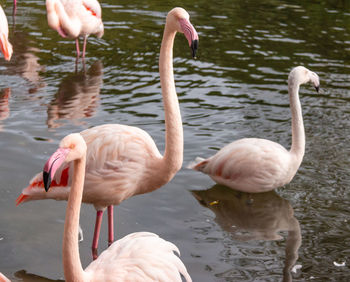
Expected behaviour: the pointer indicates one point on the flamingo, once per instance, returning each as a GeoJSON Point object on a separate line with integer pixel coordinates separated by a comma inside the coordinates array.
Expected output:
{"type": "Point", "coordinates": [258, 165]}
{"type": "Point", "coordinates": [140, 256]}
{"type": "Point", "coordinates": [3, 278]}
{"type": "Point", "coordinates": [5, 45]}
{"type": "Point", "coordinates": [123, 161]}
{"type": "Point", "coordinates": [74, 18]}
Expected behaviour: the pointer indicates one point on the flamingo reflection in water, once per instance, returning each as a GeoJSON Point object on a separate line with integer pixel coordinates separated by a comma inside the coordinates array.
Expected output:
{"type": "Point", "coordinates": [77, 97]}
{"type": "Point", "coordinates": [259, 216]}
{"type": "Point", "coordinates": [5, 95]}
{"type": "Point", "coordinates": [25, 63]}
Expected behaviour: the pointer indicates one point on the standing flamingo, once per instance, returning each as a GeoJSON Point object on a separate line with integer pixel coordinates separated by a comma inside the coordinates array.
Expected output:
{"type": "Point", "coordinates": [140, 256]}
{"type": "Point", "coordinates": [123, 161]}
{"type": "Point", "coordinates": [5, 45]}
{"type": "Point", "coordinates": [259, 165]}
{"type": "Point", "coordinates": [74, 18]}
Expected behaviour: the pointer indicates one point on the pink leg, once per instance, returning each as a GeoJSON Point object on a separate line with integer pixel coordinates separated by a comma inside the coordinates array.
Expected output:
{"type": "Point", "coordinates": [99, 215]}
{"type": "Point", "coordinates": [77, 46]}
{"type": "Point", "coordinates": [110, 226]}
{"type": "Point", "coordinates": [84, 45]}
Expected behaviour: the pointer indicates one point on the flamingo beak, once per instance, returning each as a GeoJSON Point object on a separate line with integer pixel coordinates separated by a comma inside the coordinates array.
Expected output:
{"type": "Point", "coordinates": [52, 164]}
{"type": "Point", "coordinates": [194, 47]}
{"type": "Point", "coordinates": [190, 34]}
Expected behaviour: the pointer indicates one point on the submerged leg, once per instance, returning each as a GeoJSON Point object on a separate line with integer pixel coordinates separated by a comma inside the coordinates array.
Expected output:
{"type": "Point", "coordinates": [110, 226]}
{"type": "Point", "coordinates": [99, 215]}
{"type": "Point", "coordinates": [77, 46]}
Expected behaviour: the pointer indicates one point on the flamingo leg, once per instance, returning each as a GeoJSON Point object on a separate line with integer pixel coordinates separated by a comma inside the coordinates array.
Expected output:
{"type": "Point", "coordinates": [84, 45]}
{"type": "Point", "coordinates": [110, 226]}
{"type": "Point", "coordinates": [99, 215]}
{"type": "Point", "coordinates": [77, 46]}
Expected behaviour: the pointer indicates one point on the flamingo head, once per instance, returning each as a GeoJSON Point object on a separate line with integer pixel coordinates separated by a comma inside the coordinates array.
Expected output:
{"type": "Point", "coordinates": [301, 75]}
{"type": "Point", "coordinates": [72, 147]}
{"type": "Point", "coordinates": [181, 19]}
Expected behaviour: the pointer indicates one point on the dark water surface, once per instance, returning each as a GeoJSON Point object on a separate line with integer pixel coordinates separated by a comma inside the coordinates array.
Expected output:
{"type": "Point", "coordinates": [236, 88]}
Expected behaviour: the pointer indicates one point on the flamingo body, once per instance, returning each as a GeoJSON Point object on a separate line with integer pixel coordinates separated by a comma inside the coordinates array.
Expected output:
{"type": "Point", "coordinates": [3, 278]}
{"type": "Point", "coordinates": [250, 165]}
{"type": "Point", "coordinates": [258, 165]}
{"type": "Point", "coordinates": [5, 45]}
{"type": "Point", "coordinates": [139, 256]}
{"type": "Point", "coordinates": [118, 154]}
{"type": "Point", "coordinates": [75, 18]}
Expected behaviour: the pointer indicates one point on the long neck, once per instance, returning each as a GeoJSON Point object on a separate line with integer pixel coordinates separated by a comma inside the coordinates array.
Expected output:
{"type": "Point", "coordinates": [173, 155]}
{"type": "Point", "coordinates": [73, 270]}
{"type": "Point", "coordinates": [298, 134]}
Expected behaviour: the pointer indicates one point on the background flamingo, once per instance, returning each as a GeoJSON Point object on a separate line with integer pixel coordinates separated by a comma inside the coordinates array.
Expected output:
{"type": "Point", "coordinates": [74, 18]}
{"type": "Point", "coordinates": [140, 256]}
{"type": "Point", "coordinates": [5, 45]}
{"type": "Point", "coordinates": [123, 161]}
{"type": "Point", "coordinates": [259, 165]}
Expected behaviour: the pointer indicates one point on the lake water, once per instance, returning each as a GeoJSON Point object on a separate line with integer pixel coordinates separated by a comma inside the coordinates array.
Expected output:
{"type": "Point", "coordinates": [235, 88]}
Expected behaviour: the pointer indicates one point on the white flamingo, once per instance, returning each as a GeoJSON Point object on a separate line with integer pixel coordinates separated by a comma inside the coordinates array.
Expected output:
{"type": "Point", "coordinates": [75, 18]}
{"type": "Point", "coordinates": [5, 45]}
{"type": "Point", "coordinates": [140, 256]}
{"type": "Point", "coordinates": [259, 165]}
{"type": "Point", "coordinates": [123, 161]}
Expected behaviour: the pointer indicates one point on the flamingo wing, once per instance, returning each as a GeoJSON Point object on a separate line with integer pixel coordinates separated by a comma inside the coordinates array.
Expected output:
{"type": "Point", "coordinates": [140, 256]}
{"type": "Point", "coordinates": [94, 7]}
{"type": "Point", "coordinates": [117, 160]}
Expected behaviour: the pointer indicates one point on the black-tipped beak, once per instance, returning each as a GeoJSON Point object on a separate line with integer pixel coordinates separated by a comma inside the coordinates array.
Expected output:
{"type": "Point", "coordinates": [194, 47]}
{"type": "Point", "coordinates": [47, 179]}
{"type": "Point", "coordinates": [317, 88]}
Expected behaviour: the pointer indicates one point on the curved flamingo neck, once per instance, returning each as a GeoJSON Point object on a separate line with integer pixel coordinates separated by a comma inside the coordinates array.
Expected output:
{"type": "Point", "coordinates": [173, 154]}
{"type": "Point", "coordinates": [73, 270]}
{"type": "Point", "coordinates": [298, 133]}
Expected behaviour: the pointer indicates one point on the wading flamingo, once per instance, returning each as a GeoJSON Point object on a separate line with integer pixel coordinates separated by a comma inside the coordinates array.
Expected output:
{"type": "Point", "coordinates": [5, 45]}
{"type": "Point", "coordinates": [74, 18]}
{"type": "Point", "coordinates": [258, 165]}
{"type": "Point", "coordinates": [139, 256]}
{"type": "Point", "coordinates": [123, 161]}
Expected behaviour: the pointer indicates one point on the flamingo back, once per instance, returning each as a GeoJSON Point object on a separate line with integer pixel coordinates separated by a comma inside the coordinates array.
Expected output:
{"type": "Point", "coordinates": [118, 165]}
{"type": "Point", "coordinates": [140, 256]}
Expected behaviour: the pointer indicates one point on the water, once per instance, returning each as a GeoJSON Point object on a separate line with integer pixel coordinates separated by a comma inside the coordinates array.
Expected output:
{"type": "Point", "coordinates": [236, 88]}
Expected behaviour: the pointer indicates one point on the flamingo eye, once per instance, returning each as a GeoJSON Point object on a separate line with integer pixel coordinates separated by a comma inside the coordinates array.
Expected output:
{"type": "Point", "coordinates": [72, 146]}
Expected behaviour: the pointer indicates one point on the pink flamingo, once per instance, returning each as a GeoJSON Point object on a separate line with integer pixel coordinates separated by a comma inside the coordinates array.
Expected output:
{"type": "Point", "coordinates": [258, 165]}
{"type": "Point", "coordinates": [74, 18]}
{"type": "Point", "coordinates": [3, 278]}
{"type": "Point", "coordinates": [5, 45]}
{"type": "Point", "coordinates": [123, 161]}
{"type": "Point", "coordinates": [139, 256]}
